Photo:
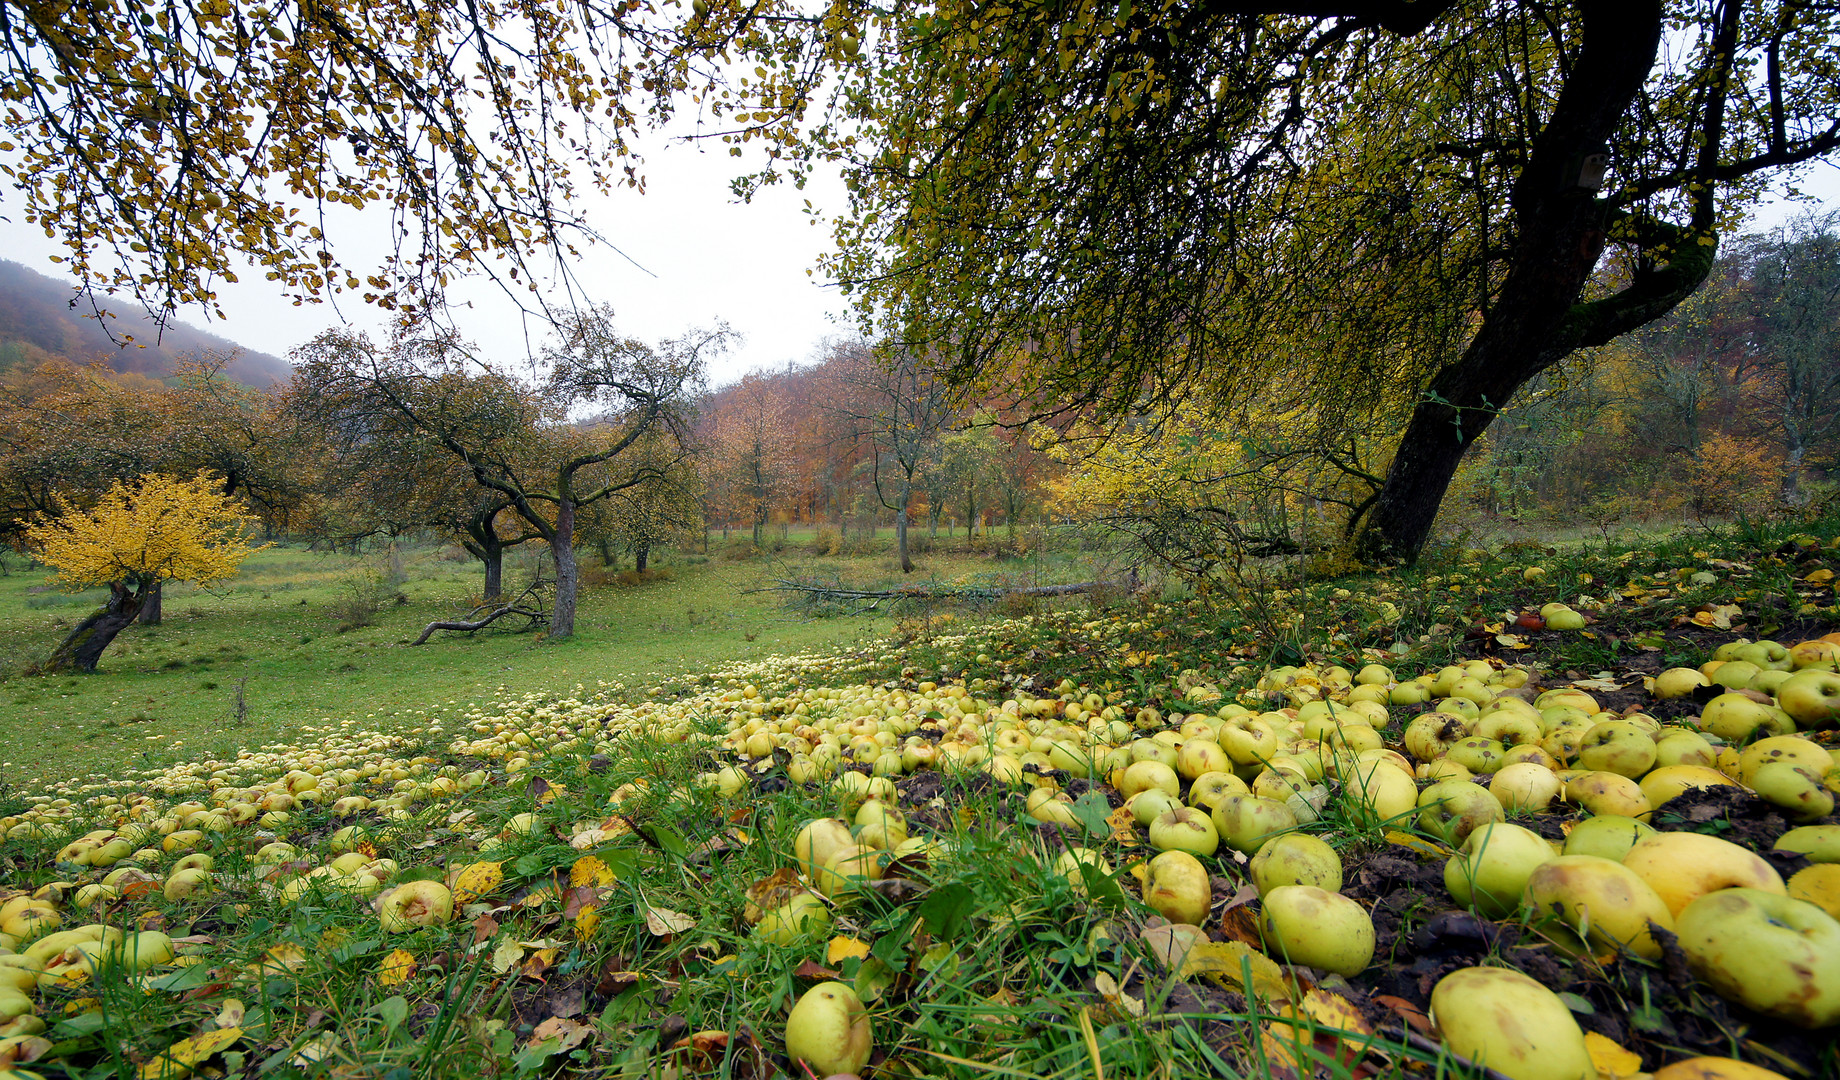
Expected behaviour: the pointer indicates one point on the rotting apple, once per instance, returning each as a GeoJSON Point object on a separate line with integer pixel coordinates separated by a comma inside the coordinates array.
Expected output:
{"type": "Point", "coordinates": [1177, 886]}
{"type": "Point", "coordinates": [1504, 1020]}
{"type": "Point", "coordinates": [1184, 828]}
{"type": "Point", "coordinates": [1490, 873]}
{"type": "Point", "coordinates": [1296, 859]}
{"type": "Point", "coordinates": [1768, 952]}
{"type": "Point", "coordinates": [1821, 843]}
{"type": "Point", "coordinates": [1604, 901]}
{"type": "Point", "coordinates": [829, 1030]}
{"type": "Point", "coordinates": [416, 904]}
{"type": "Point", "coordinates": [1452, 809]}
{"type": "Point", "coordinates": [1683, 866]}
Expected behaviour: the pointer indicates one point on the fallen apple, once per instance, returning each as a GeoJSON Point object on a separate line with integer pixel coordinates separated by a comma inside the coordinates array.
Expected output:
{"type": "Point", "coordinates": [1296, 859]}
{"type": "Point", "coordinates": [1683, 866]}
{"type": "Point", "coordinates": [1821, 843]}
{"type": "Point", "coordinates": [1302, 924]}
{"type": "Point", "coordinates": [1768, 952]}
{"type": "Point", "coordinates": [1819, 885]}
{"type": "Point", "coordinates": [1503, 1020]}
{"type": "Point", "coordinates": [1604, 901]}
{"type": "Point", "coordinates": [1184, 828]}
{"type": "Point", "coordinates": [1452, 809]}
{"type": "Point", "coordinates": [1489, 875]}
{"type": "Point", "coordinates": [829, 1030]}
{"type": "Point", "coordinates": [416, 904]}
{"type": "Point", "coordinates": [1177, 886]}
{"type": "Point", "coordinates": [1714, 1068]}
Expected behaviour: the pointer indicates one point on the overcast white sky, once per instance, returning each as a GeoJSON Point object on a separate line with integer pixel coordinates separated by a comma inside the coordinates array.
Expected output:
{"type": "Point", "coordinates": [713, 259]}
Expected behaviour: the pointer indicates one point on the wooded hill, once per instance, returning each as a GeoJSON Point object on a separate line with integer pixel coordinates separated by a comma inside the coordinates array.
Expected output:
{"type": "Point", "coordinates": [39, 321]}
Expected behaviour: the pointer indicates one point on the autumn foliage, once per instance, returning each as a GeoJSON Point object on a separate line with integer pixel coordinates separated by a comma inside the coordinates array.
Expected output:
{"type": "Point", "coordinates": [155, 528]}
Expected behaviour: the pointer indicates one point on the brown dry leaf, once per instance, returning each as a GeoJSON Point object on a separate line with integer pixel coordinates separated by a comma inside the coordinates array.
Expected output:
{"type": "Point", "coordinates": [770, 892]}
{"type": "Point", "coordinates": [183, 1056]}
{"type": "Point", "coordinates": [1414, 1016]}
{"type": "Point", "coordinates": [727, 840]}
{"type": "Point", "coordinates": [539, 962]}
{"type": "Point", "coordinates": [1240, 924]}
{"type": "Point", "coordinates": [396, 968]}
{"type": "Point", "coordinates": [1612, 1061]}
{"type": "Point", "coordinates": [663, 922]}
{"type": "Point", "coordinates": [811, 969]}
{"type": "Point", "coordinates": [1226, 964]}
{"type": "Point", "coordinates": [484, 928]}
{"type": "Point", "coordinates": [570, 1033]}
{"type": "Point", "coordinates": [589, 870]}
{"type": "Point", "coordinates": [842, 948]}
{"type": "Point", "coordinates": [1170, 943]}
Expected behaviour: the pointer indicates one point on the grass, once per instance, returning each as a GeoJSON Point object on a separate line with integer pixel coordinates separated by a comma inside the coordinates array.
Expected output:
{"type": "Point", "coordinates": [264, 656]}
{"type": "Point", "coordinates": [631, 839]}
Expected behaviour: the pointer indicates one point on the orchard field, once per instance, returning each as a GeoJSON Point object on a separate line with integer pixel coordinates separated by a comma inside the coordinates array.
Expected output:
{"type": "Point", "coordinates": [1130, 835]}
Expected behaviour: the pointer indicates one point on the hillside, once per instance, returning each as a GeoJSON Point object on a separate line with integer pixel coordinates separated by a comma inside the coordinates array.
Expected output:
{"type": "Point", "coordinates": [38, 317]}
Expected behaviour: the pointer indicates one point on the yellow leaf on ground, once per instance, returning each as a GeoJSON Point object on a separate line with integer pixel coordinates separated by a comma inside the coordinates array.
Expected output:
{"type": "Point", "coordinates": [506, 956]}
{"type": "Point", "coordinates": [1820, 577]}
{"type": "Point", "coordinates": [586, 923]}
{"type": "Point", "coordinates": [589, 870]}
{"type": "Point", "coordinates": [396, 968]}
{"type": "Point", "coordinates": [1612, 1061]}
{"type": "Point", "coordinates": [231, 1015]}
{"type": "Point", "coordinates": [1419, 844]}
{"type": "Point", "coordinates": [183, 1056]}
{"type": "Point", "coordinates": [475, 880]}
{"type": "Point", "coordinates": [842, 948]}
{"type": "Point", "coordinates": [1228, 964]}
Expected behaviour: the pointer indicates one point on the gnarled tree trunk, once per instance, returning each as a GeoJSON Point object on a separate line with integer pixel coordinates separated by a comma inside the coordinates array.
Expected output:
{"type": "Point", "coordinates": [150, 608]}
{"type": "Point", "coordinates": [83, 647]}
{"type": "Point", "coordinates": [568, 575]}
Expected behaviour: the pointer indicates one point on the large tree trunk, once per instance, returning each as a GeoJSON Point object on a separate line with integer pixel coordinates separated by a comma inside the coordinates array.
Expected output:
{"type": "Point", "coordinates": [568, 577]}
{"type": "Point", "coordinates": [150, 608]}
{"type": "Point", "coordinates": [900, 539]}
{"type": "Point", "coordinates": [642, 555]}
{"type": "Point", "coordinates": [1537, 318]}
{"type": "Point", "coordinates": [83, 647]}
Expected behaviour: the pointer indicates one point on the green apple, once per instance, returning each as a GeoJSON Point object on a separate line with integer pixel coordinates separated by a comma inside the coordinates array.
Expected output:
{"type": "Point", "coordinates": [1302, 924]}
{"type": "Point", "coordinates": [1683, 866]}
{"type": "Point", "coordinates": [1768, 952]}
{"type": "Point", "coordinates": [829, 1031]}
{"type": "Point", "coordinates": [1378, 793]}
{"type": "Point", "coordinates": [1452, 809]}
{"type": "Point", "coordinates": [803, 916]}
{"type": "Point", "coordinates": [1507, 1022]}
{"type": "Point", "coordinates": [1765, 654]}
{"type": "Point", "coordinates": [1734, 717]}
{"type": "Point", "coordinates": [1797, 790]}
{"type": "Point", "coordinates": [1147, 805]}
{"type": "Point", "coordinates": [1605, 901]}
{"type": "Point", "coordinates": [1142, 775]}
{"type": "Point", "coordinates": [1152, 750]}
{"type": "Point", "coordinates": [1177, 886]}
{"type": "Point", "coordinates": [1184, 828]}
{"type": "Point", "coordinates": [1678, 746]}
{"type": "Point", "coordinates": [1821, 843]}
{"type": "Point", "coordinates": [1069, 864]}
{"type": "Point", "coordinates": [1617, 746]}
{"type": "Point", "coordinates": [1490, 874]}
{"type": "Point", "coordinates": [1210, 788]}
{"type": "Point", "coordinates": [1296, 859]}
{"type": "Point", "coordinates": [1477, 754]}
{"type": "Point", "coordinates": [1564, 618]}
{"type": "Point", "coordinates": [1811, 696]}
{"type": "Point", "coordinates": [1246, 822]}
{"type": "Point", "coordinates": [1430, 736]}
{"type": "Point", "coordinates": [1608, 837]}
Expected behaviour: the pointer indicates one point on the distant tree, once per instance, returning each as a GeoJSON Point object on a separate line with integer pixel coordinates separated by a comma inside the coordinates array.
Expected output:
{"type": "Point", "coordinates": [516, 438]}
{"type": "Point", "coordinates": [753, 450]}
{"type": "Point", "coordinates": [899, 407]}
{"type": "Point", "coordinates": [137, 535]}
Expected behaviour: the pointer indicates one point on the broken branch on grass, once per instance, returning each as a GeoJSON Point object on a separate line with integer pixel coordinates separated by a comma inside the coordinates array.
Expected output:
{"type": "Point", "coordinates": [528, 604]}
{"type": "Point", "coordinates": [816, 592]}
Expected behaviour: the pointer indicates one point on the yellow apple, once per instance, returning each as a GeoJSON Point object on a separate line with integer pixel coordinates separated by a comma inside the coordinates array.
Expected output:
{"type": "Point", "coordinates": [818, 840]}
{"type": "Point", "coordinates": [1683, 866]}
{"type": "Point", "coordinates": [1818, 884]}
{"type": "Point", "coordinates": [416, 904]}
{"type": "Point", "coordinates": [1506, 1021]}
{"type": "Point", "coordinates": [1770, 953]}
{"type": "Point", "coordinates": [1714, 1068]}
{"type": "Point", "coordinates": [1302, 924]}
{"type": "Point", "coordinates": [1797, 790]}
{"type": "Point", "coordinates": [1143, 775]}
{"type": "Point", "coordinates": [1525, 787]}
{"type": "Point", "coordinates": [829, 1031]}
{"type": "Point", "coordinates": [1177, 886]}
{"type": "Point", "coordinates": [1733, 717]}
{"type": "Point", "coordinates": [1608, 793]}
{"type": "Point", "coordinates": [1617, 746]}
{"type": "Point", "coordinates": [1793, 749]}
{"type": "Point", "coordinates": [1246, 822]}
{"type": "Point", "coordinates": [1210, 788]}
{"type": "Point", "coordinates": [1678, 683]}
{"type": "Point", "coordinates": [1147, 805]}
{"type": "Point", "coordinates": [1669, 781]}
{"type": "Point", "coordinates": [1678, 746]}
{"type": "Point", "coordinates": [1605, 901]}
{"type": "Point", "coordinates": [803, 916]}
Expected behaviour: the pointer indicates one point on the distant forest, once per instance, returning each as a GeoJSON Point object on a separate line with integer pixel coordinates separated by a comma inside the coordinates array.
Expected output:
{"type": "Point", "coordinates": [39, 322]}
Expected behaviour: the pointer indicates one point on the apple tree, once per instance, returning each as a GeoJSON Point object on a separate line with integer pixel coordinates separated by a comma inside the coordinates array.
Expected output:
{"type": "Point", "coordinates": [1371, 208]}
{"type": "Point", "coordinates": [149, 530]}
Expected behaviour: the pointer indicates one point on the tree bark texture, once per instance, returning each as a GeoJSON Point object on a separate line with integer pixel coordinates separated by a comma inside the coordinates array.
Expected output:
{"type": "Point", "coordinates": [150, 608]}
{"type": "Point", "coordinates": [1537, 318]}
{"type": "Point", "coordinates": [83, 647]}
{"type": "Point", "coordinates": [568, 575]}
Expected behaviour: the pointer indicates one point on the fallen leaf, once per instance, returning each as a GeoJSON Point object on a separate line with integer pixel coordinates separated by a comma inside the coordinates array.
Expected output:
{"type": "Point", "coordinates": [183, 1056]}
{"type": "Point", "coordinates": [539, 962]}
{"type": "Point", "coordinates": [1228, 965]}
{"type": "Point", "coordinates": [569, 1033]}
{"type": "Point", "coordinates": [842, 948]}
{"type": "Point", "coordinates": [396, 968]}
{"type": "Point", "coordinates": [1114, 994]}
{"type": "Point", "coordinates": [663, 921]}
{"type": "Point", "coordinates": [231, 1015]}
{"type": "Point", "coordinates": [484, 928]}
{"type": "Point", "coordinates": [1414, 1016]}
{"type": "Point", "coordinates": [476, 880]}
{"type": "Point", "coordinates": [770, 892]}
{"type": "Point", "coordinates": [589, 870]}
{"type": "Point", "coordinates": [587, 921]}
{"type": "Point", "coordinates": [506, 956]}
{"type": "Point", "coordinates": [811, 969]}
{"type": "Point", "coordinates": [1612, 1061]}
{"type": "Point", "coordinates": [1241, 925]}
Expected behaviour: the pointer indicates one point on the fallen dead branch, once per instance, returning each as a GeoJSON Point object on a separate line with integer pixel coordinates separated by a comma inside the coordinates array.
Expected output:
{"type": "Point", "coordinates": [818, 592]}
{"type": "Point", "coordinates": [528, 604]}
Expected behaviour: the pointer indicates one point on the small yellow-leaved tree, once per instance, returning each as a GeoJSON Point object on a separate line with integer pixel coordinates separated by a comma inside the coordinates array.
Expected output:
{"type": "Point", "coordinates": [153, 529]}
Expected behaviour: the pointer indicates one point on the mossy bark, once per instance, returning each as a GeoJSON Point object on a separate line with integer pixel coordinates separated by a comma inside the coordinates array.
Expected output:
{"type": "Point", "coordinates": [82, 649]}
